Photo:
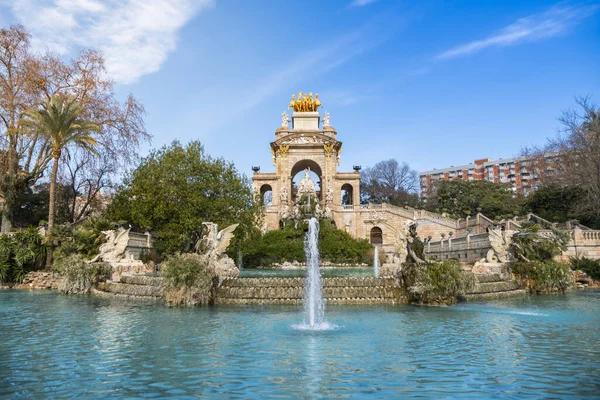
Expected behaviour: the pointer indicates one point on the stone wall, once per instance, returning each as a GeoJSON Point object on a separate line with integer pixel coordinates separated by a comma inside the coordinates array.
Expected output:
{"type": "Point", "coordinates": [40, 280]}
{"type": "Point", "coordinates": [583, 243]}
{"type": "Point", "coordinates": [336, 290]}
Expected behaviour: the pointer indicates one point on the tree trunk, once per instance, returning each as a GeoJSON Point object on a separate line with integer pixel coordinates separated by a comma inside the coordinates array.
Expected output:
{"type": "Point", "coordinates": [6, 224]}
{"type": "Point", "coordinates": [9, 184]}
{"type": "Point", "coordinates": [51, 210]}
{"type": "Point", "coordinates": [52, 200]}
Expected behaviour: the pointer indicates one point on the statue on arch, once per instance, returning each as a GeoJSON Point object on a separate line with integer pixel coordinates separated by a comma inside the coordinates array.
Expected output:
{"type": "Point", "coordinates": [283, 195]}
{"type": "Point", "coordinates": [285, 120]}
{"type": "Point", "coordinates": [306, 186]}
{"type": "Point", "coordinates": [326, 119]}
{"type": "Point", "coordinates": [329, 195]}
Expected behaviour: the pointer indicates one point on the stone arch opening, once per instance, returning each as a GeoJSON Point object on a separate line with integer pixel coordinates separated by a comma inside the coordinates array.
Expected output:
{"type": "Point", "coordinates": [347, 194]}
{"type": "Point", "coordinates": [298, 172]}
{"type": "Point", "coordinates": [266, 195]}
{"type": "Point", "coordinates": [376, 236]}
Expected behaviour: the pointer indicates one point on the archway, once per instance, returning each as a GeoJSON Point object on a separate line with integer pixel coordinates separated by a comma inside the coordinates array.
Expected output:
{"type": "Point", "coordinates": [376, 236]}
{"type": "Point", "coordinates": [298, 172]}
{"type": "Point", "coordinates": [266, 195]}
{"type": "Point", "coordinates": [347, 195]}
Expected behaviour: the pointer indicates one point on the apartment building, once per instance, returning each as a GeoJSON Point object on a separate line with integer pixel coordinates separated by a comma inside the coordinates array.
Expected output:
{"type": "Point", "coordinates": [522, 173]}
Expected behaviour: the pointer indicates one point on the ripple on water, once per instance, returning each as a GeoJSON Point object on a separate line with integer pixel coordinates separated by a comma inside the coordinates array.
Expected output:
{"type": "Point", "coordinates": [59, 346]}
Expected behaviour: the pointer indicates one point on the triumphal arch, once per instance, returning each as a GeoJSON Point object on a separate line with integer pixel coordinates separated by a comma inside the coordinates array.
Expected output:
{"type": "Point", "coordinates": [306, 146]}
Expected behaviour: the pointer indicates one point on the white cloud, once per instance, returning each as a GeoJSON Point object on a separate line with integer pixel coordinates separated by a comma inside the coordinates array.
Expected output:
{"type": "Point", "coordinates": [136, 36]}
{"type": "Point", "coordinates": [553, 22]}
{"type": "Point", "coordinates": [360, 3]}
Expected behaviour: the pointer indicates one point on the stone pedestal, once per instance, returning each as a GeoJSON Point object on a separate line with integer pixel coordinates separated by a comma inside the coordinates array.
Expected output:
{"type": "Point", "coordinates": [306, 121]}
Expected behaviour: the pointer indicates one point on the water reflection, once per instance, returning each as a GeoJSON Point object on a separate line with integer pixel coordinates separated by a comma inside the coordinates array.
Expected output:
{"type": "Point", "coordinates": [97, 348]}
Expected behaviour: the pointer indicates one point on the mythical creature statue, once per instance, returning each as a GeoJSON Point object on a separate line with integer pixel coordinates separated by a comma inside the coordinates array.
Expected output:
{"type": "Point", "coordinates": [114, 249]}
{"type": "Point", "coordinates": [213, 245]}
{"type": "Point", "coordinates": [500, 242]}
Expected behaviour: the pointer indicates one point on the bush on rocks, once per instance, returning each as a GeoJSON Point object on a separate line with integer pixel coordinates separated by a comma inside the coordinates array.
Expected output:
{"type": "Point", "coordinates": [78, 276]}
{"type": "Point", "coordinates": [189, 281]}
{"type": "Point", "coordinates": [435, 283]}
{"type": "Point", "coordinates": [587, 265]}
{"type": "Point", "coordinates": [543, 277]}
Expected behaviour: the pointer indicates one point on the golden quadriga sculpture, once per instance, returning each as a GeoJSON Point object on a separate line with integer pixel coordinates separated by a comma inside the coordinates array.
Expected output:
{"type": "Point", "coordinates": [305, 103]}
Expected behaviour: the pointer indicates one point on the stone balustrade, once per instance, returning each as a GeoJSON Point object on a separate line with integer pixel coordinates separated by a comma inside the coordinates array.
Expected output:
{"type": "Point", "coordinates": [589, 236]}
{"type": "Point", "coordinates": [468, 248]}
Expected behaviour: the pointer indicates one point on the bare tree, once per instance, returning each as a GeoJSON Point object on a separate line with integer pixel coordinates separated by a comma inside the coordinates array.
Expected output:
{"type": "Point", "coordinates": [572, 158]}
{"type": "Point", "coordinates": [578, 146]}
{"type": "Point", "coordinates": [26, 79]}
{"type": "Point", "coordinates": [88, 179]}
{"type": "Point", "coordinates": [390, 181]}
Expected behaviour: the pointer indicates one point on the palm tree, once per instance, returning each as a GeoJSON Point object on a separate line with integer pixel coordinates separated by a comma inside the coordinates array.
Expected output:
{"type": "Point", "coordinates": [60, 121]}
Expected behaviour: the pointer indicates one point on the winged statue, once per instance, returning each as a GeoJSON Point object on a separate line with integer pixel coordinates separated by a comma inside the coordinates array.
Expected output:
{"type": "Point", "coordinates": [212, 247]}
{"type": "Point", "coordinates": [213, 241]}
{"type": "Point", "coordinates": [113, 250]}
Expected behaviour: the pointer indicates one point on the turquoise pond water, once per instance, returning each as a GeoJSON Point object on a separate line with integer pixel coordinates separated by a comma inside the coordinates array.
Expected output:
{"type": "Point", "coordinates": [87, 347]}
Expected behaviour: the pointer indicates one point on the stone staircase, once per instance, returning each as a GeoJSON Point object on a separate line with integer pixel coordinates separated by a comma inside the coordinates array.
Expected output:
{"type": "Point", "coordinates": [133, 286]}
{"type": "Point", "coordinates": [336, 290]}
{"type": "Point", "coordinates": [493, 286]}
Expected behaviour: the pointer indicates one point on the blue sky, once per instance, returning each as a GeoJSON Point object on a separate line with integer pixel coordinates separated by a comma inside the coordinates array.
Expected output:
{"type": "Point", "coordinates": [433, 83]}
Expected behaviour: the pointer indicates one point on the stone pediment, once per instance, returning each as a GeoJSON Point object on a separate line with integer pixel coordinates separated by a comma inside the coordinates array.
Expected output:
{"type": "Point", "coordinates": [308, 138]}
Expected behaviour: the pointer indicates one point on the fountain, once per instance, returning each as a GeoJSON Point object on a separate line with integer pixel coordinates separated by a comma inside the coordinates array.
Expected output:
{"type": "Point", "coordinates": [376, 262]}
{"type": "Point", "coordinates": [314, 304]}
{"type": "Point", "coordinates": [313, 297]}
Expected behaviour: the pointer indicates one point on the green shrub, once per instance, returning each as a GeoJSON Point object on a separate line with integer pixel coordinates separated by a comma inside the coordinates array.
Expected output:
{"type": "Point", "coordinates": [587, 265]}
{"type": "Point", "coordinates": [189, 281]}
{"type": "Point", "coordinates": [547, 277]}
{"type": "Point", "coordinates": [528, 245]}
{"type": "Point", "coordinates": [20, 253]}
{"type": "Point", "coordinates": [78, 276]}
{"type": "Point", "coordinates": [338, 246]}
{"type": "Point", "coordinates": [287, 244]}
{"type": "Point", "coordinates": [437, 283]}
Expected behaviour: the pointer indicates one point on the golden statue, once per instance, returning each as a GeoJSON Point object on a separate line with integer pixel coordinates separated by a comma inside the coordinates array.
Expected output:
{"type": "Point", "coordinates": [317, 102]}
{"type": "Point", "coordinates": [305, 103]}
{"type": "Point", "coordinates": [283, 149]}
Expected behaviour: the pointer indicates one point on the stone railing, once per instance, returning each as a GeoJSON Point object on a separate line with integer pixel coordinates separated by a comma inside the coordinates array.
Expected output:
{"type": "Point", "coordinates": [423, 214]}
{"type": "Point", "coordinates": [468, 248]}
{"type": "Point", "coordinates": [589, 236]}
